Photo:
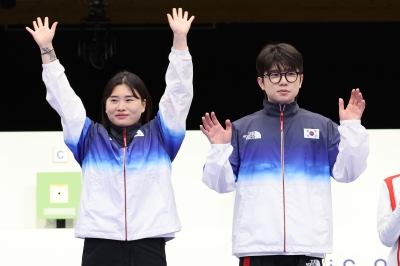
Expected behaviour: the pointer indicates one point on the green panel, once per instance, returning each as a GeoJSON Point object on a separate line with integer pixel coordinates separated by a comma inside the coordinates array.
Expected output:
{"type": "Point", "coordinates": [57, 195]}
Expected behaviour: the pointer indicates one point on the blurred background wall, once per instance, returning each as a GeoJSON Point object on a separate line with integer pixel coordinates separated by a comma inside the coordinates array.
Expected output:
{"type": "Point", "coordinates": [345, 45]}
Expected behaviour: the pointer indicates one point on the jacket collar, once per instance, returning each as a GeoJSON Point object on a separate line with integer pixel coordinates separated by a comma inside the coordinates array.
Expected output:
{"type": "Point", "coordinates": [116, 133]}
{"type": "Point", "coordinates": [274, 109]}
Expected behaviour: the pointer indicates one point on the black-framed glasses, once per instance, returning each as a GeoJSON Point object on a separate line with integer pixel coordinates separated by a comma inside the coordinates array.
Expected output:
{"type": "Point", "coordinates": [275, 77]}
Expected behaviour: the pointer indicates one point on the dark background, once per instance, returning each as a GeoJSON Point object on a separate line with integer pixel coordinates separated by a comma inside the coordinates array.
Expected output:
{"type": "Point", "coordinates": [337, 58]}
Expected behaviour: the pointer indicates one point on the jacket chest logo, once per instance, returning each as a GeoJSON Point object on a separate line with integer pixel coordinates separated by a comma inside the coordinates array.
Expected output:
{"type": "Point", "coordinates": [139, 133]}
{"type": "Point", "coordinates": [252, 135]}
{"type": "Point", "coordinates": [311, 133]}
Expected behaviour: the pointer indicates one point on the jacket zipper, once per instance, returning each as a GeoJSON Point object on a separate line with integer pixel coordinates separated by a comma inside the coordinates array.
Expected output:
{"type": "Point", "coordinates": [282, 107]}
{"type": "Point", "coordinates": [124, 151]}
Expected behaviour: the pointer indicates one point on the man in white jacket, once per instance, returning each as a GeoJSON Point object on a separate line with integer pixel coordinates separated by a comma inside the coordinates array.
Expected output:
{"type": "Point", "coordinates": [280, 161]}
{"type": "Point", "coordinates": [389, 217]}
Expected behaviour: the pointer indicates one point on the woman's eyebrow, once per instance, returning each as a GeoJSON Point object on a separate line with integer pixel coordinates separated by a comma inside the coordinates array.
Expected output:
{"type": "Point", "coordinates": [127, 96]}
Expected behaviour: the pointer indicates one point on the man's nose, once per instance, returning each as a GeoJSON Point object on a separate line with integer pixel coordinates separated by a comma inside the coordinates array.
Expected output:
{"type": "Point", "coordinates": [283, 80]}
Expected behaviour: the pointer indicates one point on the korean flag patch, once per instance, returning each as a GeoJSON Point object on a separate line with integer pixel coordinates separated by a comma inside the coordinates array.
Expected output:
{"type": "Point", "coordinates": [310, 133]}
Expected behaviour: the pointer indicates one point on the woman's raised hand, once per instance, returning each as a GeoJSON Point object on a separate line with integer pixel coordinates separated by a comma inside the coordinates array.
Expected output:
{"type": "Point", "coordinates": [41, 32]}
{"type": "Point", "coordinates": [180, 25]}
{"type": "Point", "coordinates": [179, 22]}
{"type": "Point", "coordinates": [43, 36]}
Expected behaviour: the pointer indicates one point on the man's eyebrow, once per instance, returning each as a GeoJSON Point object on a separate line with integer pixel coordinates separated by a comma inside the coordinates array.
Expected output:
{"type": "Point", "coordinates": [278, 71]}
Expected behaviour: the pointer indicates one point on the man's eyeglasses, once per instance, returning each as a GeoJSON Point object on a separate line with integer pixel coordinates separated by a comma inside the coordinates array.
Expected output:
{"type": "Point", "coordinates": [275, 77]}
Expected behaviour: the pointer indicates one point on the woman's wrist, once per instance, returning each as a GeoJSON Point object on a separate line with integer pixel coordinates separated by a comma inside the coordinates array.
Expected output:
{"type": "Point", "coordinates": [48, 54]}
{"type": "Point", "coordinates": [45, 48]}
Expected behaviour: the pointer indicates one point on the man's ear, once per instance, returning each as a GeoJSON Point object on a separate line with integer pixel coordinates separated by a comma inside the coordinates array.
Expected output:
{"type": "Point", "coordinates": [260, 83]}
{"type": "Point", "coordinates": [301, 79]}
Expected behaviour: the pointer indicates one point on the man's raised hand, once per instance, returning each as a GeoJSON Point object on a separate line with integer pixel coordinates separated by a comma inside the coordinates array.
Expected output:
{"type": "Point", "coordinates": [355, 107]}
{"type": "Point", "coordinates": [213, 130]}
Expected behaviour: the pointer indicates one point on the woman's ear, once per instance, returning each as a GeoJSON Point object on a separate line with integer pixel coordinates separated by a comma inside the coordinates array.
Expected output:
{"type": "Point", "coordinates": [143, 105]}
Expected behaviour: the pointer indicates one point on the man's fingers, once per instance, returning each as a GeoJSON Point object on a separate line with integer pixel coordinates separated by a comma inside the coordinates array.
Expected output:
{"type": "Point", "coordinates": [185, 16]}
{"type": "Point", "coordinates": [205, 124]}
{"type": "Point", "coordinates": [35, 26]}
{"type": "Point", "coordinates": [352, 95]}
{"type": "Point", "coordinates": [208, 120]}
{"type": "Point", "coordinates": [191, 19]}
{"type": "Point", "coordinates": [203, 130]}
{"type": "Point", "coordinates": [179, 12]}
{"type": "Point", "coordinates": [174, 14]}
{"type": "Point", "coordinates": [341, 105]}
{"type": "Point", "coordinates": [214, 119]}
{"type": "Point", "coordinates": [228, 125]}
{"type": "Point", "coordinates": [358, 96]}
{"type": "Point", "coordinates": [46, 22]}
{"type": "Point", "coordinates": [361, 106]}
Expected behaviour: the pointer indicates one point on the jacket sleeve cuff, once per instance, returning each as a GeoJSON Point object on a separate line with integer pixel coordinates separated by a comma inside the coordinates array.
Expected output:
{"type": "Point", "coordinates": [51, 64]}
{"type": "Point", "coordinates": [350, 122]}
{"type": "Point", "coordinates": [220, 147]}
{"type": "Point", "coordinates": [180, 52]}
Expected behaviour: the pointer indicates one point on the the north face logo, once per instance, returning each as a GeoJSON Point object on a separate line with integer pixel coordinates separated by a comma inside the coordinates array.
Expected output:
{"type": "Point", "coordinates": [252, 135]}
{"type": "Point", "coordinates": [139, 133]}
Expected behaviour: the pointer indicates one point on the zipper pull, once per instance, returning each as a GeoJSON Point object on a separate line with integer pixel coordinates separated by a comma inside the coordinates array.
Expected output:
{"type": "Point", "coordinates": [124, 136]}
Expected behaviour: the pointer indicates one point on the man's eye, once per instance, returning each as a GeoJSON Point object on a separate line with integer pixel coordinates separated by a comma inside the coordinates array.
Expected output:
{"type": "Point", "coordinates": [291, 74]}
{"type": "Point", "coordinates": [274, 75]}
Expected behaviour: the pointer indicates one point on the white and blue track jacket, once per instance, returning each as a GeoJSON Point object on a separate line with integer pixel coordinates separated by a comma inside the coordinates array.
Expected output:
{"type": "Point", "coordinates": [127, 192]}
{"type": "Point", "coordinates": [280, 162]}
{"type": "Point", "coordinates": [388, 218]}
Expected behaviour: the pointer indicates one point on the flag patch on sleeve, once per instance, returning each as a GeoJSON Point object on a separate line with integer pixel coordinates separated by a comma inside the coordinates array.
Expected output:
{"type": "Point", "coordinates": [311, 133]}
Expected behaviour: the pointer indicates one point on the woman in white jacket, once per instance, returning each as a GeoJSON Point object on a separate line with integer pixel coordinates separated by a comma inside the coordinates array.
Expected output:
{"type": "Point", "coordinates": [127, 208]}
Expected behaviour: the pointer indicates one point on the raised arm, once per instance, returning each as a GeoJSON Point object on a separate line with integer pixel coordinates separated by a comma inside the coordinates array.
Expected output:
{"type": "Point", "coordinates": [351, 160]}
{"type": "Point", "coordinates": [59, 93]}
{"type": "Point", "coordinates": [354, 109]}
{"type": "Point", "coordinates": [217, 173]}
{"type": "Point", "coordinates": [175, 103]}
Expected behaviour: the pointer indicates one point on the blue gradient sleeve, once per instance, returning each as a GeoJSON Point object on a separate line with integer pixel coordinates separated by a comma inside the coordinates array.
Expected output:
{"type": "Point", "coordinates": [81, 148]}
{"type": "Point", "coordinates": [234, 159]}
{"type": "Point", "coordinates": [171, 140]}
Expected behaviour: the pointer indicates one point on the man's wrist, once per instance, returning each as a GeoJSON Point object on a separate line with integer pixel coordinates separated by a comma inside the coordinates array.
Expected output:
{"type": "Point", "coordinates": [350, 122]}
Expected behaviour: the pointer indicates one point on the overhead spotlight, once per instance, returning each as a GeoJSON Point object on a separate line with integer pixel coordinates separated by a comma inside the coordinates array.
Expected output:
{"type": "Point", "coordinates": [7, 3]}
{"type": "Point", "coordinates": [96, 44]}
